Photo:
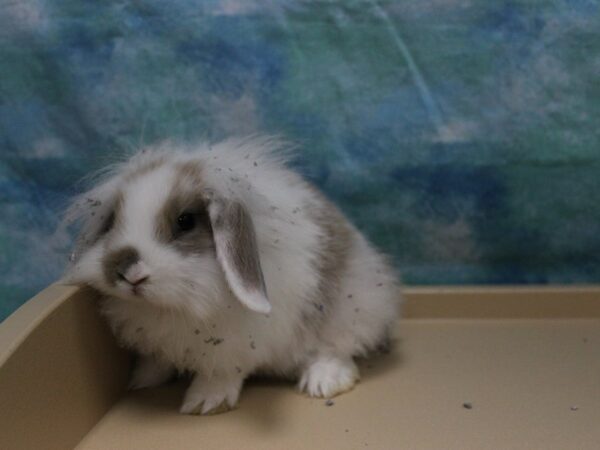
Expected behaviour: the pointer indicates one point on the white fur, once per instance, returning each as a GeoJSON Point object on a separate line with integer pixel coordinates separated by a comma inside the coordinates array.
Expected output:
{"type": "Point", "coordinates": [188, 318]}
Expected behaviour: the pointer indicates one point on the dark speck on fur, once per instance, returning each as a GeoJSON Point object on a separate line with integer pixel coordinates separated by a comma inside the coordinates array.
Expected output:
{"type": "Point", "coordinates": [252, 345]}
{"type": "Point", "coordinates": [196, 331]}
{"type": "Point", "coordinates": [93, 202]}
{"type": "Point", "coordinates": [329, 402]}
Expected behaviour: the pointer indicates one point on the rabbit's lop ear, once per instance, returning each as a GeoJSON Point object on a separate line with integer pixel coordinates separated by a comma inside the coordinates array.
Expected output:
{"type": "Point", "coordinates": [237, 252]}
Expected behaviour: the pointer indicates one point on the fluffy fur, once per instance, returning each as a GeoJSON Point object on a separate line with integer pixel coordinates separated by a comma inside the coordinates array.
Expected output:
{"type": "Point", "coordinates": [277, 281]}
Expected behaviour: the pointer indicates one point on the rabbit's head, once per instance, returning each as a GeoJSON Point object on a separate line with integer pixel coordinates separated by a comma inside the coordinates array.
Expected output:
{"type": "Point", "coordinates": [158, 231]}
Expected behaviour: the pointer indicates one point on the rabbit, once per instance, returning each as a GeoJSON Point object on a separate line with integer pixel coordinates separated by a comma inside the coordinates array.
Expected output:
{"type": "Point", "coordinates": [221, 262]}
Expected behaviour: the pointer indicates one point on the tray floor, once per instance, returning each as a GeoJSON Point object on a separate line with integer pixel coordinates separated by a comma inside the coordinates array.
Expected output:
{"type": "Point", "coordinates": [530, 384]}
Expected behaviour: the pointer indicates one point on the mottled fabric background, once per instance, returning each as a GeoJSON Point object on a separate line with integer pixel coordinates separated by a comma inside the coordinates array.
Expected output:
{"type": "Point", "coordinates": [462, 136]}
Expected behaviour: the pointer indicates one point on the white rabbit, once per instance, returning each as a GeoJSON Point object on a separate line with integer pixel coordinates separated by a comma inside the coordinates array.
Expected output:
{"type": "Point", "coordinates": [221, 262]}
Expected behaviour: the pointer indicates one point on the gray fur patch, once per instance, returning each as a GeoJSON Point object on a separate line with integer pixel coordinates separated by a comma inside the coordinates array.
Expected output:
{"type": "Point", "coordinates": [103, 218]}
{"type": "Point", "coordinates": [334, 246]}
{"type": "Point", "coordinates": [186, 197]}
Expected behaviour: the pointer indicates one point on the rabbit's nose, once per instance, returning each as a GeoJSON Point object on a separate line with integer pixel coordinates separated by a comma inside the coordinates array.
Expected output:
{"type": "Point", "coordinates": [135, 274]}
{"type": "Point", "coordinates": [125, 265]}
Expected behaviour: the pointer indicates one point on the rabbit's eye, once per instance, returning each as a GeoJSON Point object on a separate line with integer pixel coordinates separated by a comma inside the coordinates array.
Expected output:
{"type": "Point", "coordinates": [186, 222]}
{"type": "Point", "coordinates": [107, 224]}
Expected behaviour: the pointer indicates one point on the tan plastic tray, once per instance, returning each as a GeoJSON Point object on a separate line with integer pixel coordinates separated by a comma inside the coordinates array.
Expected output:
{"type": "Point", "coordinates": [472, 368]}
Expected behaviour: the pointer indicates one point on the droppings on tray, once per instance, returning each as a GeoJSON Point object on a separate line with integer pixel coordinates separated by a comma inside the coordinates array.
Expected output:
{"type": "Point", "coordinates": [468, 405]}
{"type": "Point", "coordinates": [329, 402]}
{"type": "Point", "coordinates": [574, 408]}
{"type": "Point", "coordinates": [213, 340]}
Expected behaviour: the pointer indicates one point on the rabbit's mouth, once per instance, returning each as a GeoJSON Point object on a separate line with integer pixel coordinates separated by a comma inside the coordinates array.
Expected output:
{"type": "Point", "coordinates": [137, 290]}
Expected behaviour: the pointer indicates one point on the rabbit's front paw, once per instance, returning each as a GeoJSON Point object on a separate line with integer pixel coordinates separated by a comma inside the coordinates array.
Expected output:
{"type": "Point", "coordinates": [211, 397]}
{"type": "Point", "coordinates": [328, 376]}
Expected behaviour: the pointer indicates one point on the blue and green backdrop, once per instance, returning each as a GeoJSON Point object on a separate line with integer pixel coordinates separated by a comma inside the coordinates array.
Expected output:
{"type": "Point", "coordinates": [462, 136]}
